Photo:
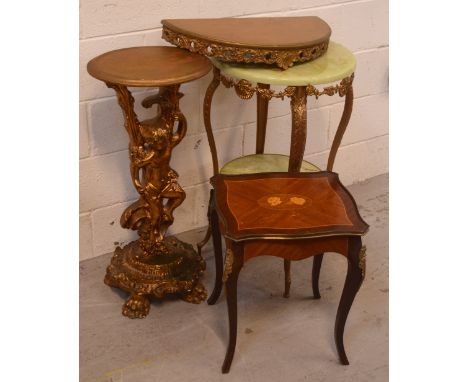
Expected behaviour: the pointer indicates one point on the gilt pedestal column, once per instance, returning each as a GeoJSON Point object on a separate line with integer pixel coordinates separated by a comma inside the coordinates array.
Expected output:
{"type": "Point", "coordinates": [154, 265]}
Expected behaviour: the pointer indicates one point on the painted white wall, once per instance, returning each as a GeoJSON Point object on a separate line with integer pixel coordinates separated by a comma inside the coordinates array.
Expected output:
{"type": "Point", "coordinates": [105, 186]}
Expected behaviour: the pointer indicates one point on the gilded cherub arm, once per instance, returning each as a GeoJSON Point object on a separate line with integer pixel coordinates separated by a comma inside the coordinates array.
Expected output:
{"type": "Point", "coordinates": [181, 128]}
{"type": "Point", "coordinates": [139, 159]}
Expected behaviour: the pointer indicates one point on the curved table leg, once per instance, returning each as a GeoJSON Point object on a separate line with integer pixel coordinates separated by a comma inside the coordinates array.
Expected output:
{"type": "Point", "coordinates": [211, 141]}
{"type": "Point", "coordinates": [234, 263]}
{"type": "Point", "coordinates": [218, 252]}
{"type": "Point", "coordinates": [345, 117]}
{"type": "Point", "coordinates": [354, 278]}
{"type": "Point", "coordinates": [207, 117]}
{"type": "Point", "coordinates": [202, 243]}
{"type": "Point", "coordinates": [316, 275]}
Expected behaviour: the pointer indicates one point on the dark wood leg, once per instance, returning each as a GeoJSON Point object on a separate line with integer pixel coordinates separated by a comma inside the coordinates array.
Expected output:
{"type": "Point", "coordinates": [234, 262]}
{"type": "Point", "coordinates": [209, 132]}
{"type": "Point", "coordinates": [316, 275]}
{"type": "Point", "coordinates": [218, 254]}
{"type": "Point", "coordinates": [262, 117]}
{"type": "Point", "coordinates": [354, 278]}
{"type": "Point", "coordinates": [202, 243]}
{"type": "Point", "coordinates": [287, 277]}
{"type": "Point", "coordinates": [207, 117]}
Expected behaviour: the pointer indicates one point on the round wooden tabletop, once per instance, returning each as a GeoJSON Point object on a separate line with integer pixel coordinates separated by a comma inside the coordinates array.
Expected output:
{"type": "Point", "coordinates": [149, 66]}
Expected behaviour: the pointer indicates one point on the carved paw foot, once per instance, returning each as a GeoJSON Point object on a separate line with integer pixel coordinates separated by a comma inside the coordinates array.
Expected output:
{"type": "Point", "coordinates": [137, 306]}
{"type": "Point", "coordinates": [197, 295]}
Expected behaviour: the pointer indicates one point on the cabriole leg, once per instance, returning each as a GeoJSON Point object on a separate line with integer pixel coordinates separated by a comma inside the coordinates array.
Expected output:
{"type": "Point", "coordinates": [209, 132]}
{"type": "Point", "coordinates": [218, 252]}
{"type": "Point", "coordinates": [202, 243]}
{"type": "Point", "coordinates": [316, 275]}
{"type": "Point", "coordinates": [234, 262]}
{"type": "Point", "coordinates": [354, 278]}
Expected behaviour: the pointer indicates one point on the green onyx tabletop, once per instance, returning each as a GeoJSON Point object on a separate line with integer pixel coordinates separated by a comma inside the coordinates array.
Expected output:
{"type": "Point", "coordinates": [337, 63]}
{"type": "Point", "coordinates": [256, 163]}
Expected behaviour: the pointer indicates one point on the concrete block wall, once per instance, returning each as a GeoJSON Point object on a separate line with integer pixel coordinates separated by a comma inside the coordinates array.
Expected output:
{"type": "Point", "coordinates": [105, 186]}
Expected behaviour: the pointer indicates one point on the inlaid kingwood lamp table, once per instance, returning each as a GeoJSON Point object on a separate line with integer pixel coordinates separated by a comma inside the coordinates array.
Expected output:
{"type": "Point", "coordinates": [154, 265]}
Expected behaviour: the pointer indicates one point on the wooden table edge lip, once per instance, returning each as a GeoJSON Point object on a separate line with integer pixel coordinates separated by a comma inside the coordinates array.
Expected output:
{"type": "Point", "coordinates": [360, 226]}
{"type": "Point", "coordinates": [253, 237]}
{"type": "Point", "coordinates": [146, 83]}
{"type": "Point", "coordinates": [307, 45]}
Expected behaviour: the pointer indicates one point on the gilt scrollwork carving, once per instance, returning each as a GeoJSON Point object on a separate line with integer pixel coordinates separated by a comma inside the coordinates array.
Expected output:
{"type": "Point", "coordinates": [224, 52]}
{"type": "Point", "coordinates": [341, 89]}
{"type": "Point", "coordinates": [245, 90]}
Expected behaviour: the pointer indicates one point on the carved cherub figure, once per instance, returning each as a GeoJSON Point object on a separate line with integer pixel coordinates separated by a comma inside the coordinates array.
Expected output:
{"type": "Point", "coordinates": [153, 178]}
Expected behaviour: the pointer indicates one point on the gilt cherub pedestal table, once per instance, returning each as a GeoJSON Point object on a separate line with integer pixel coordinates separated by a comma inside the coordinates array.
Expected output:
{"type": "Point", "coordinates": [154, 265]}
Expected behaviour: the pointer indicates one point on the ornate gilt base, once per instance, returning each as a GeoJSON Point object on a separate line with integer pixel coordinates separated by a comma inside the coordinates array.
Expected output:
{"type": "Point", "coordinates": [172, 267]}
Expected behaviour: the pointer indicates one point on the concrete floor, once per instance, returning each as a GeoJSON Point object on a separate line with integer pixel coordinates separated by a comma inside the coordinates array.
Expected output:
{"type": "Point", "coordinates": [278, 339]}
